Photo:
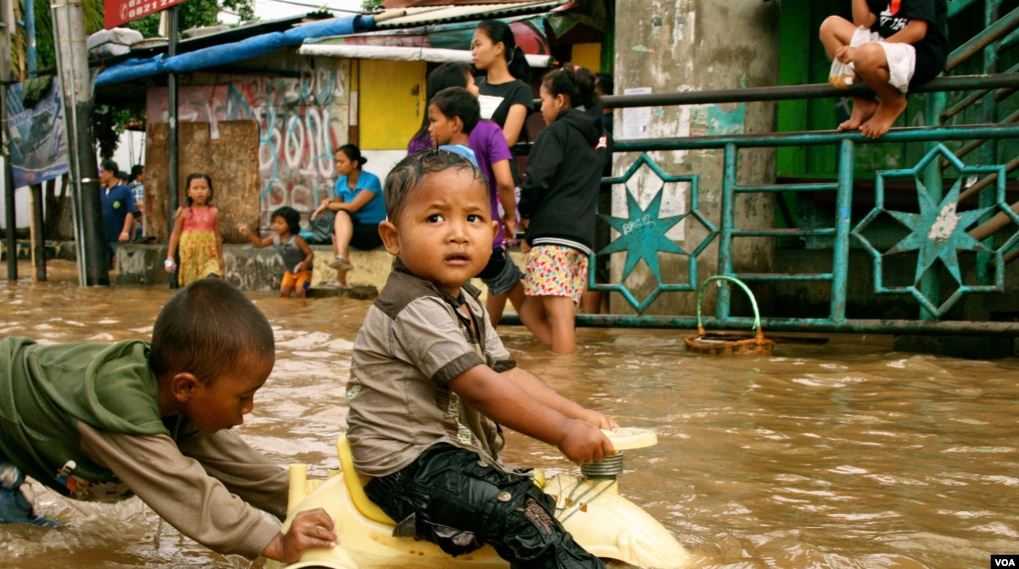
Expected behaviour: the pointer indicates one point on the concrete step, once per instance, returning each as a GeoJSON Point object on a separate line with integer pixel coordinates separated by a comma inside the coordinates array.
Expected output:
{"type": "Point", "coordinates": [257, 269]}
{"type": "Point", "coordinates": [54, 249]}
{"type": "Point", "coordinates": [261, 269]}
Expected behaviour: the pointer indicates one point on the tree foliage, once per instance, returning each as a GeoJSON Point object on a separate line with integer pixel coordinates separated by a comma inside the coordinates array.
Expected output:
{"type": "Point", "coordinates": [109, 122]}
{"type": "Point", "coordinates": [193, 13]}
{"type": "Point", "coordinates": [197, 13]}
{"type": "Point", "coordinates": [46, 57]}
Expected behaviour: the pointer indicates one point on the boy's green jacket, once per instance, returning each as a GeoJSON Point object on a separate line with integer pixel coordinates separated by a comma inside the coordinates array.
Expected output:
{"type": "Point", "coordinates": [45, 390]}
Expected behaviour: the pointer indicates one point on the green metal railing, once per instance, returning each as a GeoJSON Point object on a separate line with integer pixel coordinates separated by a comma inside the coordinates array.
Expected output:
{"type": "Point", "coordinates": [938, 232]}
{"type": "Point", "coordinates": [641, 233]}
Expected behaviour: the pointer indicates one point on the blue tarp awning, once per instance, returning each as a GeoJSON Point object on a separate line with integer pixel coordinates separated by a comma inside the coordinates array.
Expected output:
{"type": "Point", "coordinates": [225, 54]}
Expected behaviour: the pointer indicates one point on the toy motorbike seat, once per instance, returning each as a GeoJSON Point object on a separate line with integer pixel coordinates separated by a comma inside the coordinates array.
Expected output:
{"type": "Point", "coordinates": [355, 485]}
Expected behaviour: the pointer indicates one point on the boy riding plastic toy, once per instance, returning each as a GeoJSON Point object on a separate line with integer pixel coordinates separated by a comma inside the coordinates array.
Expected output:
{"type": "Point", "coordinates": [589, 506]}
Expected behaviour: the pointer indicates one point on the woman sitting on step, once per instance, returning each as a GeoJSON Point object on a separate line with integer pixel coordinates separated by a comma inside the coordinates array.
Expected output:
{"type": "Point", "coordinates": [359, 208]}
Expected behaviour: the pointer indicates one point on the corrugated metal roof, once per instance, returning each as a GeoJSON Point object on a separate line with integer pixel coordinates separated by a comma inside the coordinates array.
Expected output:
{"type": "Point", "coordinates": [420, 16]}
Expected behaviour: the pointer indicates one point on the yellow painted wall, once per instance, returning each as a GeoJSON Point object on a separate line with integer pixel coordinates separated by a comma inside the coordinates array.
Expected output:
{"type": "Point", "coordinates": [391, 101]}
{"type": "Point", "coordinates": [587, 55]}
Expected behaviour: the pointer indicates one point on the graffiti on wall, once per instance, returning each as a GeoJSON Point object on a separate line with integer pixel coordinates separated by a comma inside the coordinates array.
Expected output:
{"type": "Point", "coordinates": [301, 121]}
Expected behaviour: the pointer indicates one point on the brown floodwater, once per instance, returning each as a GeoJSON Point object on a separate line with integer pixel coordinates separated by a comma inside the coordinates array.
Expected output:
{"type": "Point", "coordinates": [846, 455]}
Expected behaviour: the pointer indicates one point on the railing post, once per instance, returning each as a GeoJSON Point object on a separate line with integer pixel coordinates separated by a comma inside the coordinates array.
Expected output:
{"type": "Point", "coordinates": [992, 9]}
{"type": "Point", "coordinates": [843, 218]}
{"type": "Point", "coordinates": [929, 285]}
{"type": "Point", "coordinates": [728, 221]}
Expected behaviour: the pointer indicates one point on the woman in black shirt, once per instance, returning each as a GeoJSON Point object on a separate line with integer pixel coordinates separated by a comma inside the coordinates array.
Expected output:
{"type": "Point", "coordinates": [504, 98]}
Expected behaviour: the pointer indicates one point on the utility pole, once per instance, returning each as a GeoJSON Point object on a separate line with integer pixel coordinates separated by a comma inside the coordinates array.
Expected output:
{"type": "Point", "coordinates": [7, 31]}
{"type": "Point", "coordinates": [37, 226]}
{"type": "Point", "coordinates": [28, 13]}
{"type": "Point", "coordinates": [72, 62]}
{"type": "Point", "coordinates": [173, 183]}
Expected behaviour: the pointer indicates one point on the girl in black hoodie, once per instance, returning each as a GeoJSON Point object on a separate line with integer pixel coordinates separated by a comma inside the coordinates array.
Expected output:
{"type": "Point", "coordinates": [558, 205]}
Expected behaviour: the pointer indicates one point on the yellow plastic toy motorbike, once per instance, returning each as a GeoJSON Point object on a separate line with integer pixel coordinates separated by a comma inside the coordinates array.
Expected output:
{"type": "Point", "coordinates": [589, 507]}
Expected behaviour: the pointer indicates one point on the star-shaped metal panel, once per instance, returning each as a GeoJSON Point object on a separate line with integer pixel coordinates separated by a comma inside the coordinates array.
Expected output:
{"type": "Point", "coordinates": [939, 231]}
{"type": "Point", "coordinates": [642, 235]}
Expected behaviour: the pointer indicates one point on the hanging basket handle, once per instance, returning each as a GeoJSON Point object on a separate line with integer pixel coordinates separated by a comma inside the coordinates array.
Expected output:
{"type": "Point", "coordinates": [758, 331]}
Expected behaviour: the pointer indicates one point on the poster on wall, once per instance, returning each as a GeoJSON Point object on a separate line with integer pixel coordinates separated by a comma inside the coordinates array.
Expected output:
{"type": "Point", "coordinates": [35, 131]}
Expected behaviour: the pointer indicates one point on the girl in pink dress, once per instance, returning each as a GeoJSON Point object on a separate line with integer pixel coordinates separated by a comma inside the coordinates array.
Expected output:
{"type": "Point", "coordinates": [196, 232]}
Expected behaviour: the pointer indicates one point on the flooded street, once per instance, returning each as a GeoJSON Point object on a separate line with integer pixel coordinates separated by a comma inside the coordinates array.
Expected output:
{"type": "Point", "coordinates": [841, 456]}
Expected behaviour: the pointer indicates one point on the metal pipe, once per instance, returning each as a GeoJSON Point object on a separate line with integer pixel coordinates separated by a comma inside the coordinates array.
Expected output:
{"type": "Point", "coordinates": [843, 218]}
{"type": "Point", "coordinates": [799, 92]}
{"type": "Point", "coordinates": [1009, 40]}
{"type": "Point", "coordinates": [806, 187]}
{"type": "Point", "coordinates": [999, 29]}
{"type": "Point", "coordinates": [991, 226]}
{"type": "Point", "coordinates": [784, 232]}
{"type": "Point", "coordinates": [11, 223]}
{"type": "Point", "coordinates": [728, 225]}
{"type": "Point", "coordinates": [989, 155]}
{"type": "Point", "coordinates": [28, 12]}
{"type": "Point", "coordinates": [987, 180]}
{"type": "Point", "coordinates": [974, 144]}
{"type": "Point", "coordinates": [929, 284]}
{"type": "Point", "coordinates": [957, 6]}
{"type": "Point", "coordinates": [173, 184]}
{"type": "Point", "coordinates": [72, 59]}
{"type": "Point", "coordinates": [971, 99]}
{"type": "Point", "coordinates": [1002, 94]}
{"type": "Point", "coordinates": [783, 277]}
{"type": "Point", "coordinates": [38, 242]}
{"type": "Point", "coordinates": [778, 139]}
{"type": "Point", "coordinates": [859, 325]}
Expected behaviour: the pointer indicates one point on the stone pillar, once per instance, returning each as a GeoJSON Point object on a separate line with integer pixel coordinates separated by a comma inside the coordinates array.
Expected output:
{"type": "Point", "coordinates": [682, 45]}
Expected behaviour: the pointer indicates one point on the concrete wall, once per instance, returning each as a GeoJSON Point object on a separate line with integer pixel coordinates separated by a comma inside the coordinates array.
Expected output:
{"type": "Point", "coordinates": [230, 158]}
{"type": "Point", "coordinates": [252, 269]}
{"type": "Point", "coordinates": [301, 121]}
{"type": "Point", "coordinates": [683, 45]}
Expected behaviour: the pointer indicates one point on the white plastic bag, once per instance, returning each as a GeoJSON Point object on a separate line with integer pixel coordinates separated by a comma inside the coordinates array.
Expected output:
{"type": "Point", "coordinates": [842, 75]}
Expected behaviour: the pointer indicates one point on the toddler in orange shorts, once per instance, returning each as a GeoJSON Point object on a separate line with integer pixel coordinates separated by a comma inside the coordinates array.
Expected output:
{"type": "Point", "coordinates": [297, 256]}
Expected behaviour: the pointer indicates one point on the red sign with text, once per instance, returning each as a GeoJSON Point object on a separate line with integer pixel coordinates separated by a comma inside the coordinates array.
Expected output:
{"type": "Point", "coordinates": [117, 12]}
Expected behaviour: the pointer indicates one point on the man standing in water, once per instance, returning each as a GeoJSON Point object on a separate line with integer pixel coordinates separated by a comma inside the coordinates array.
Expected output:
{"type": "Point", "coordinates": [118, 207]}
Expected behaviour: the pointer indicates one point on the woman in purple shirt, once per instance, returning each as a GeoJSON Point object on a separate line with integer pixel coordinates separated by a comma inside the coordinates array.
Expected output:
{"type": "Point", "coordinates": [501, 275]}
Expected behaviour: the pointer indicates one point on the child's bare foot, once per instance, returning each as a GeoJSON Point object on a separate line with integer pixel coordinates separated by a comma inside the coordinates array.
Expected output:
{"type": "Point", "coordinates": [887, 112]}
{"type": "Point", "coordinates": [863, 110]}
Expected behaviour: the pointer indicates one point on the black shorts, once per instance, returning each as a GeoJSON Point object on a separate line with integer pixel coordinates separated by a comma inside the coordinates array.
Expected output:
{"type": "Point", "coordinates": [930, 62]}
{"type": "Point", "coordinates": [366, 236]}
{"type": "Point", "coordinates": [452, 498]}
{"type": "Point", "coordinates": [501, 274]}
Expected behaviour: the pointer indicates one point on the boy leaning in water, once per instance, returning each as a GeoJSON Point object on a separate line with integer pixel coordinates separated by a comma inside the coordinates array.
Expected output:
{"type": "Point", "coordinates": [101, 422]}
{"type": "Point", "coordinates": [431, 383]}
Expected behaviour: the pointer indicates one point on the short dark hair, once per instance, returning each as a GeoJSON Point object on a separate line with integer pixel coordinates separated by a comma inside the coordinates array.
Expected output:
{"type": "Point", "coordinates": [137, 170]}
{"type": "Point", "coordinates": [449, 74]}
{"type": "Point", "coordinates": [455, 102]}
{"type": "Point", "coordinates": [409, 172]}
{"type": "Point", "coordinates": [109, 166]}
{"type": "Point", "coordinates": [205, 329]}
{"type": "Point", "coordinates": [289, 215]}
{"type": "Point", "coordinates": [604, 84]}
